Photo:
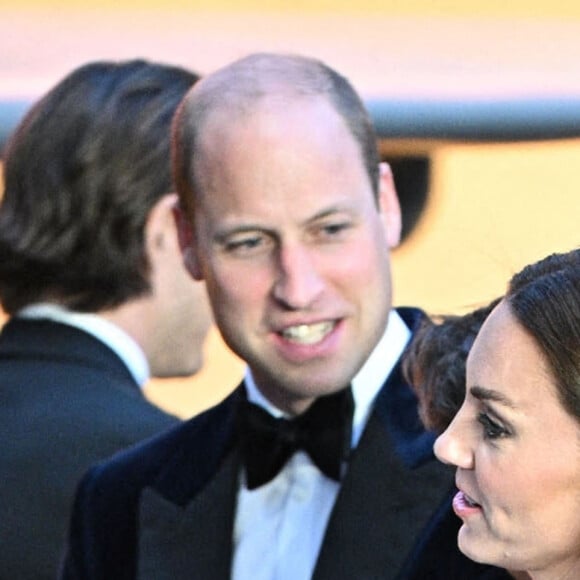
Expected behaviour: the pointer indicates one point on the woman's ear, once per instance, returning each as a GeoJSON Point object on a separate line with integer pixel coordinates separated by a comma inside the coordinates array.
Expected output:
{"type": "Point", "coordinates": [186, 238]}
{"type": "Point", "coordinates": [389, 205]}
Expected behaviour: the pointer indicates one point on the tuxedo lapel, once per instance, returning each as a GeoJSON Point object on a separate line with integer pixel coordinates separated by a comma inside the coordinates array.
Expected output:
{"type": "Point", "coordinates": [381, 508]}
{"type": "Point", "coordinates": [194, 541]}
{"type": "Point", "coordinates": [186, 515]}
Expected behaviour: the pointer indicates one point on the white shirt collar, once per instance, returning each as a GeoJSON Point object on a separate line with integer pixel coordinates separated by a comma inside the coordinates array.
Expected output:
{"type": "Point", "coordinates": [366, 383]}
{"type": "Point", "coordinates": [114, 337]}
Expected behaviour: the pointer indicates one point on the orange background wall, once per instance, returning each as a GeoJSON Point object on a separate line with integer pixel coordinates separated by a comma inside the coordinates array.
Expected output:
{"type": "Point", "coordinates": [538, 8]}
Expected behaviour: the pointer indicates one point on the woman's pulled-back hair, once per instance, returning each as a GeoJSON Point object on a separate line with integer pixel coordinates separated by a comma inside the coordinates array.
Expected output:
{"type": "Point", "coordinates": [545, 299]}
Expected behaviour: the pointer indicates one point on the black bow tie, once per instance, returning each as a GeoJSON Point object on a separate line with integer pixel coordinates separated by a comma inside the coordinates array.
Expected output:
{"type": "Point", "coordinates": [323, 431]}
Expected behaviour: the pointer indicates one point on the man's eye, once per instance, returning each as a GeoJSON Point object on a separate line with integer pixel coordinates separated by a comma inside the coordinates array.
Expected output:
{"type": "Point", "coordinates": [245, 244]}
{"type": "Point", "coordinates": [335, 229]}
{"type": "Point", "coordinates": [491, 429]}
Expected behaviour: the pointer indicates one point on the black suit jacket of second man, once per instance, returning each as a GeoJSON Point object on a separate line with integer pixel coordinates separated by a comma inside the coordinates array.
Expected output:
{"type": "Point", "coordinates": [66, 401]}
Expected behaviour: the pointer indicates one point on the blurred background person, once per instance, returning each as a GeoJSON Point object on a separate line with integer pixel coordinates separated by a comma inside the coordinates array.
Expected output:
{"type": "Point", "coordinates": [434, 363]}
{"type": "Point", "coordinates": [91, 277]}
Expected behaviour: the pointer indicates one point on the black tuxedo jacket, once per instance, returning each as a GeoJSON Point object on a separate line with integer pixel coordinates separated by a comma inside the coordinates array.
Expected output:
{"type": "Point", "coordinates": [66, 401]}
{"type": "Point", "coordinates": [165, 510]}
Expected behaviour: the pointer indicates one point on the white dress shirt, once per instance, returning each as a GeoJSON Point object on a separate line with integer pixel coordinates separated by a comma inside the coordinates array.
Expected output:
{"type": "Point", "coordinates": [279, 527]}
{"type": "Point", "coordinates": [124, 346]}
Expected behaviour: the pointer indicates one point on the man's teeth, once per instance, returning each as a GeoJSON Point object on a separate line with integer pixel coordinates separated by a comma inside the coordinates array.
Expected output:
{"type": "Point", "coordinates": [307, 333]}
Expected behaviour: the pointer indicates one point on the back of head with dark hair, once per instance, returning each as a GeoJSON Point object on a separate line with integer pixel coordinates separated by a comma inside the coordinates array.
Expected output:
{"type": "Point", "coordinates": [82, 171]}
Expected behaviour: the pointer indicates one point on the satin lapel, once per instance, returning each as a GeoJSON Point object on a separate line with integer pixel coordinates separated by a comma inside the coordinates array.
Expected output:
{"type": "Point", "coordinates": [381, 508]}
{"type": "Point", "coordinates": [195, 541]}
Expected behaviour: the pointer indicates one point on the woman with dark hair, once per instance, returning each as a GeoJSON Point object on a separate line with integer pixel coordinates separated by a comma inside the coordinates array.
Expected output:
{"type": "Point", "coordinates": [516, 439]}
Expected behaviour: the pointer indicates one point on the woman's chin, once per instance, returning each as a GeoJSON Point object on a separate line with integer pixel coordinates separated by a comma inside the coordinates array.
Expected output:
{"type": "Point", "coordinates": [471, 544]}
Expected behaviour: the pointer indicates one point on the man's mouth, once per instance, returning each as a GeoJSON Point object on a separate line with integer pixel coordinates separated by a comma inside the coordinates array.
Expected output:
{"type": "Point", "coordinates": [308, 333]}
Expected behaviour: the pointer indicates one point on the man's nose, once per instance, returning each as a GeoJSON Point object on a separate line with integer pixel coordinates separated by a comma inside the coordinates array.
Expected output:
{"type": "Point", "coordinates": [299, 279]}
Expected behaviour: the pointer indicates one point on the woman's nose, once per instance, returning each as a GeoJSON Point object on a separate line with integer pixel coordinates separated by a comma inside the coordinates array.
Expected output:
{"type": "Point", "coordinates": [453, 446]}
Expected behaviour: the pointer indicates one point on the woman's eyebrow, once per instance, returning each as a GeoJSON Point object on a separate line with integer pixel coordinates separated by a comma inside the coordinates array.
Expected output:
{"type": "Point", "coordinates": [485, 394]}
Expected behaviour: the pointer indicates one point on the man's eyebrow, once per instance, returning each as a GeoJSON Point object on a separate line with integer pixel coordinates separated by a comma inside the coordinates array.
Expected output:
{"type": "Point", "coordinates": [329, 212]}
{"type": "Point", "coordinates": [484, 394]}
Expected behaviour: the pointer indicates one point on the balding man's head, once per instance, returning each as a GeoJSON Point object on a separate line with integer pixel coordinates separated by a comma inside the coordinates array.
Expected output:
{"type": "Point", "coordinates": [251, 84]}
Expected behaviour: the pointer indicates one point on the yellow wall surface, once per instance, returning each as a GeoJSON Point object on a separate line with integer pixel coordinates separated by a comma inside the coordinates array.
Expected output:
{"type": "Point", "coordinates": [478, 8]}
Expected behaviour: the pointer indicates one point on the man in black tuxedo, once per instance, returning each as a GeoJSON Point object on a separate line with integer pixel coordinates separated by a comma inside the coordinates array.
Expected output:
{"type": "Point", "coordinates": [98, 299]}
{"type": "Point", "coordinates": [317, 465]}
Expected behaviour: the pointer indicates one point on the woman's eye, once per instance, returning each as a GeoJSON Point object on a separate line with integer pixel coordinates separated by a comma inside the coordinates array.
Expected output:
{"type": "Point", "coordinates": [491, 429]}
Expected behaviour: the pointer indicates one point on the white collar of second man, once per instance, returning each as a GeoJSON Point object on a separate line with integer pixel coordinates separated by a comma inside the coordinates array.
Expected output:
{"type": "Point", "coordinates": [123, 345]}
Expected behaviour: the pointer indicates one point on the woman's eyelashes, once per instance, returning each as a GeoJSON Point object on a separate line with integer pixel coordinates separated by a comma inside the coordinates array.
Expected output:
{"type": "Point", "coordinates": [492, 429]}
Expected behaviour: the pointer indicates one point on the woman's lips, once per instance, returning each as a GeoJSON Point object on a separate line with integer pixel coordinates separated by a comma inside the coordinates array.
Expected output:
{"type": "Point", "coordinates": [464, 506]}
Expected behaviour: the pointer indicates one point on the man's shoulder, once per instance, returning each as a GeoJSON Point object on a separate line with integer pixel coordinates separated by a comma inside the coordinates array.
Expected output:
{"type": "Point", "coordinates": [189, 451]}
{"type": "Point", "coordinates": [72, 376]}
{"type": "Point", "coordinates": [32, 333]}
{"type": "Point", "coordinates": [56, 346]}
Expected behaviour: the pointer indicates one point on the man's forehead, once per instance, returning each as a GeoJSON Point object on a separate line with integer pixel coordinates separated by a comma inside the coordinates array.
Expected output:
{"type": "Point", "coordinates": [268, 113]}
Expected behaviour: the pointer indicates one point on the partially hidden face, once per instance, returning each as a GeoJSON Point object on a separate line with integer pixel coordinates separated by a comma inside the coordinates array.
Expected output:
{"type": "Point", "coordinates": [181, 309]}
{"type": "Point", "coordinates": [517, 453]}
{"type": "Point", "coordinates": [294, 247]}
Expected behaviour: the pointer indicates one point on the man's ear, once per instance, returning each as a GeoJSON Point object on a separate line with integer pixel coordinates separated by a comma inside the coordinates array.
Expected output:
{"type": "Point", "coordinates": [160, 227]}
{"type": "Point", "coordinates": [186, 238]}
{"type": "Point", "coordinates": [389, 205]}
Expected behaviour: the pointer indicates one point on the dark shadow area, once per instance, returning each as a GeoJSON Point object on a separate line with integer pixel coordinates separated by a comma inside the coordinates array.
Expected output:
{"type": "Point", "coordinates": [412, 181]}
